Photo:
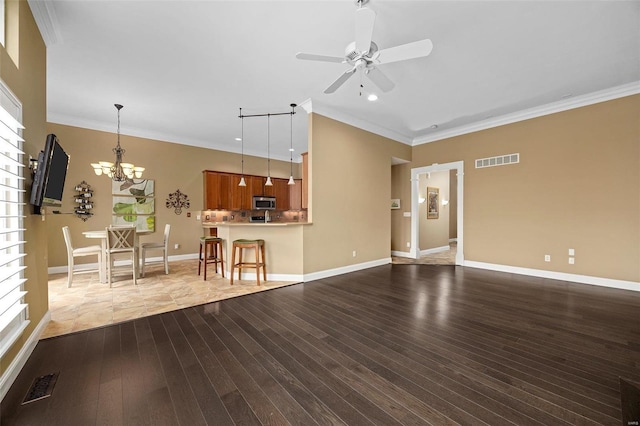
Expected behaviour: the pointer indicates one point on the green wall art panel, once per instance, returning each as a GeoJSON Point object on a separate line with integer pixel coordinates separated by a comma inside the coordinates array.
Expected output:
{"type": "Point", "coordinates": [134, 203]}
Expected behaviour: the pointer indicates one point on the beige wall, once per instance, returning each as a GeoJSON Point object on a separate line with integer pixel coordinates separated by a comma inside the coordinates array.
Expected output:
{"type": "Point", "coordinates": [577, 186]}
{"type": "Point", "coordinates": [28, 82]}
{"type": "Point", "coordinates": [401, 225]}
{"type": "Point", "coordinates": [350, 193]}
{"type": "Point", "coordinates": [172, 166]}
{"type": "Point", "coordinates": [433, 233]}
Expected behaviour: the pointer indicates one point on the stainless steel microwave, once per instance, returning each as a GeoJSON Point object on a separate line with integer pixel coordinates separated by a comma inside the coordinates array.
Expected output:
{"type": "Point", "coordinates": [264, 203]}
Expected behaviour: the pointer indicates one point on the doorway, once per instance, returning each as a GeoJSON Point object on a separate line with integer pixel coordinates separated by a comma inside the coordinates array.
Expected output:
{"type": "Point", "coordinates": [458, 166]}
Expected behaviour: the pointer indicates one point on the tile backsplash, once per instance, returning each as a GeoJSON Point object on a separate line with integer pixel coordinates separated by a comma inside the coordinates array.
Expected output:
{"type": "Point", "coordinates": [243, 216]}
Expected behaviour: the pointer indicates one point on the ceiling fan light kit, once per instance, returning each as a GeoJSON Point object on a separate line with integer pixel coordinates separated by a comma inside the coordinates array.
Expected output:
{"type": "Point", "coordinates": [364, 55]}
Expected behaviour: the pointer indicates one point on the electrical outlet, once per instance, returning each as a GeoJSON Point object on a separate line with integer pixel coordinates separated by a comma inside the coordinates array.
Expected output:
{"type": "Point", "coordinates": [197, 217]}
{"type": "Point", "coordinates": [547, 258]}
{"type": "Point", "coordinates": [572, 261]}
{"type": "Point", "coordinates": [572, 252]}
{"type": "Point", "coordinates": [354, 253]}
{"type": "Point", "coordinates": [188, 214]}
{"type": "Point", "coordinates": [408, 245]}
{"type": "Point", "coordinates": [176, 246]}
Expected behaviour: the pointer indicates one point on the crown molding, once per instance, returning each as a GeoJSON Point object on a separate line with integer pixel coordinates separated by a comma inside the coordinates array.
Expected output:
{"type": "Point", "coordinates": [45, 16]}
{"type": "Point", "coordinates": [314, 106]}
{"type": "Point", "coordinates": [629, 89]}
{"type": "Point", "coordinates": [161, 137]}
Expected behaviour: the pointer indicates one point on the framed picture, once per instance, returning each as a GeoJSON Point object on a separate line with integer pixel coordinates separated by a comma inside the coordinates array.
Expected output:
{"type": "Point", "coordinates": [134, 203]}
{"type": "Point", "coordinates": [395, 203]}
{"type": "Point", "coordinates": [433, 202]}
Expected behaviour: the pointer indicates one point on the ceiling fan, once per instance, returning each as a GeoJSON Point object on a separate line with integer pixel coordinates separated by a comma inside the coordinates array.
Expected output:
{"type": "Point", "coordinates": [363, 54]}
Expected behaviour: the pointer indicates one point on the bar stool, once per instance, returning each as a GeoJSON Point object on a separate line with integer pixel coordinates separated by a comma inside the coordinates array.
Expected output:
{"type": "Point", "coordinates": [258, 246]}
{"type": "Point", "coordinates": [213, 253]}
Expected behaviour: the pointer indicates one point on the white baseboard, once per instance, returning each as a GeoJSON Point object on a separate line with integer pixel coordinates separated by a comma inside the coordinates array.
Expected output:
{"type": "Point", "coordinates": [251, 276]}
{"type": "Point", "coordinates": [562, 276]}
{"type": "Point", "coordinates": [94, 266]}
{"type": "Point", "coordinates": [434, 250]}
{"type": "Point", "coordinates": [11, 373]}
{"type": "Point", "coordinates": [345, 269]}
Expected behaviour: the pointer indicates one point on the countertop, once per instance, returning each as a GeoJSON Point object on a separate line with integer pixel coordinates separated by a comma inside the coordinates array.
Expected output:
{"type": "Point", "coordinates": [216, 224]}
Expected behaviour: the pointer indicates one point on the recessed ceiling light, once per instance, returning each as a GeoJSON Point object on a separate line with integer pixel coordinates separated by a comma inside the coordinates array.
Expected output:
{"type": "Point", "coordinates": [434, 126]}
{"type": "Point", "coordinates": [291, 149]}
{"type": "Point", "coordinates": [372, 97]}
{"type": "Point", "coordinates": [238, 139]}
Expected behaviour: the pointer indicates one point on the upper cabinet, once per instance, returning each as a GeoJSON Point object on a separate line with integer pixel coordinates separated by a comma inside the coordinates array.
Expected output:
{"type": "Point", "coordinates": [221, 190]}
{"type": "Point", "coordinates": [210, 182]}
{"type": "Point", "coordinates": [295, 195]}
{"type": "Point", "coordinates": [239, 198]}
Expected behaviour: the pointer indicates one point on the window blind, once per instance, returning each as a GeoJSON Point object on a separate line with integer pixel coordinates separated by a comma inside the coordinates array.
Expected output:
{"type": "Point", "coordinates": [13, 309]}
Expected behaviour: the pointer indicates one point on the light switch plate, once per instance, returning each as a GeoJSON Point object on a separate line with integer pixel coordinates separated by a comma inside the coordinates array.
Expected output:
{"type": "Point", "coordinates": [406, 214]}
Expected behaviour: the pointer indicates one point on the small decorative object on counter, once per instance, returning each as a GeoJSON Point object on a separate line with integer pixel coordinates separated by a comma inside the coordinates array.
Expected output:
{"type": "Point", "coordinates": [178, 200]}
{"type": "Point", "coordinates": [84, 205]}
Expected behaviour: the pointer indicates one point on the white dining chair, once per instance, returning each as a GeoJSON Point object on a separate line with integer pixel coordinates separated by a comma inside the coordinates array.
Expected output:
{"type": "Point", "coordinates": [122, 240]}
{"type": "Point", "coordinates": [77, 252]}
{"type": "Point", "coordinates": [162, 245]}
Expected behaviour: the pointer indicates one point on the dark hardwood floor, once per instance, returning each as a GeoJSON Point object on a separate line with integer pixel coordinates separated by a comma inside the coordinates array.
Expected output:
{"type": "Point", "coordinates": [396, 344]}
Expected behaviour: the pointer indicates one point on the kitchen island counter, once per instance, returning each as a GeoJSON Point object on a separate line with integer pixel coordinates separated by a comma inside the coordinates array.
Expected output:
{"type": "Point", "coordinates": [283, 246]}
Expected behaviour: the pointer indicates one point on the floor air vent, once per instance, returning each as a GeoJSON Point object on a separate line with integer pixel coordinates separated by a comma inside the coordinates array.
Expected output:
{"type": "Point", "coordinates": [501, 160]}
{"type": "Point", "coordinates": [42, 387]}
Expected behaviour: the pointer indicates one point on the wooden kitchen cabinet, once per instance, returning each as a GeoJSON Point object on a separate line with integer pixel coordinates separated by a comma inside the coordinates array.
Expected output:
{"type": "Point", "coordinates": [216, 190]}
{"type": "Point", "coordinates": [221, 191]}
{"type": "Point", "coordinates": [224, 191]}
{"type": "Point", "coordinates": [256, 185]}
{"type": "Point", "coordinates": [211, 189]}
{"type": "Point", "coordinates": [270, 190]}
{"type": "Point", "coordinates": [281, 192]}
{"type": "Point", "coordinates": [295, 195]}
{"type": "Point", "coordinates": [239, 199]}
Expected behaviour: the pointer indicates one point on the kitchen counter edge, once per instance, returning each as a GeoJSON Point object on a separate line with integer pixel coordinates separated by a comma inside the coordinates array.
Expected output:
{"type": "Point", "coordinates": [216, 224]}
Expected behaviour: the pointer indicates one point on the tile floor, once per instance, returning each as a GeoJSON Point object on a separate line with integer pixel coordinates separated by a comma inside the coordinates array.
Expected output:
{"type": "Point", "coordinates": [442, 258]}
{"type": "Point", "coordinates": [89, 303]}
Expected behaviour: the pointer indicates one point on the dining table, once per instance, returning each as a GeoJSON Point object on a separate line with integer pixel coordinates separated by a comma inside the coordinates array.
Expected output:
{"type": "Point", "coordinates": [102, 235]}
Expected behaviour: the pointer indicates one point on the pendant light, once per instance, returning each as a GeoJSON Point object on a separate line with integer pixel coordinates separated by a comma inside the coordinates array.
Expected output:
{"type": "Point", "coordinates": [291, 181]}
{"type": "Point", "coordinates": [118, 171]}
{"type": "Point", "coordinates": [242, 182]}
{"type": "Point", "coordinates": [268, 182]}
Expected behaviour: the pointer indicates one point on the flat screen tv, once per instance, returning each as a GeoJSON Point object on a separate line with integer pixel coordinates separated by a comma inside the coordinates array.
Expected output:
{"type": "Point", "coordinates": [48, 182]}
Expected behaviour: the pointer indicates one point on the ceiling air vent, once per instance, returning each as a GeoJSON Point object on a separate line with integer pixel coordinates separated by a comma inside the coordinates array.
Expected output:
{"type": "Point", "coordinates": [501, 160]}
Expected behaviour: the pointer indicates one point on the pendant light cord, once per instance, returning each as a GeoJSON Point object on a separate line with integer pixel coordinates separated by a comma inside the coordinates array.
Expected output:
{"type": "Point", "coordinates": [242, 139]}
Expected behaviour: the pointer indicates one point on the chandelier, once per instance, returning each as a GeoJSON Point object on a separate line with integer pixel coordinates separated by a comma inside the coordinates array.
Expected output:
{"type": "Point", "coordinates": [117, 171]}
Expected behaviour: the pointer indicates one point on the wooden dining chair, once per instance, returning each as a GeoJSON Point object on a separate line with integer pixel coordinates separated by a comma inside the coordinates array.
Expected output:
{"type": "Point", "coordinates": [77, 252]}
{"type": "Point", "coordinates": [163, 245]}
{"type": "Point", "coordinates": [122, 240]}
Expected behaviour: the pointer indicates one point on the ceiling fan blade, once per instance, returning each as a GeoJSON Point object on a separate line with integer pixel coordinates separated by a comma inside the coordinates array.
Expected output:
{"type": "Point", "coordinates": [340, 81]}
{"type": "Point", "coordinates": [365, 19]}
{"type": "Point", "coordinates": [379, 79]}
{"type": "Point", "coordinates": [416, 49]}
{"type": "Point", "coordinates": [323, 58]}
